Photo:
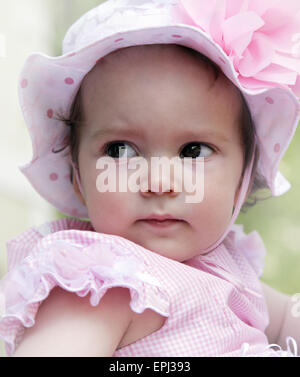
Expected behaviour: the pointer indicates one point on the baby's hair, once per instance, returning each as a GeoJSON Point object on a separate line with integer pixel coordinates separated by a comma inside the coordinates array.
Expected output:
{"type": "Point", "coordinates": [247, 134]}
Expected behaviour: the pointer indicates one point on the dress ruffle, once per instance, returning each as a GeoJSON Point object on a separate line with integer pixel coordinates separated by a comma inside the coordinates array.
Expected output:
{"type": "Point", "coordinates": [77, 268]}
{"type": "Point", "coordinates": [273, 350]}
{"type": "Point", "coordinates": [250, 245]}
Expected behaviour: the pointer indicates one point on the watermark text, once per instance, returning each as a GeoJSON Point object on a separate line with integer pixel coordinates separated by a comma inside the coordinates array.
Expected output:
{"type": "Point", "coordinates": [161, 175]}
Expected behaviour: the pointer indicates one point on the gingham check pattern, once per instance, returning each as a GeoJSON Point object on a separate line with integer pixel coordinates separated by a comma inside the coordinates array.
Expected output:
{"type": "Point", "coordinates": [207, 314]}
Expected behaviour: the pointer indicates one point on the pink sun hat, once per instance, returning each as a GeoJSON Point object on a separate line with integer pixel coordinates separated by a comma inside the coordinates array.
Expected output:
{"type": "Point", "coordinates": [254, 43]}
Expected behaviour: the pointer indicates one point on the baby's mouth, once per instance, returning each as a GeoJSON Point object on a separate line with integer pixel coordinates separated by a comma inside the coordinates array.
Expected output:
{"type": "Point", "coordinates": [161, 221]}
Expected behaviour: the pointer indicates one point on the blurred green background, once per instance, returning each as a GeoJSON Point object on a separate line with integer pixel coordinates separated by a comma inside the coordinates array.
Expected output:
{"type": "Point", "coordinates": [277, 220]}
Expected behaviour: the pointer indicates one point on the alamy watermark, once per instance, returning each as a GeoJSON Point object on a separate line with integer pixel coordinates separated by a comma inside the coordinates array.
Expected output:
{"type": "Point", "coordinates": [167, 175]}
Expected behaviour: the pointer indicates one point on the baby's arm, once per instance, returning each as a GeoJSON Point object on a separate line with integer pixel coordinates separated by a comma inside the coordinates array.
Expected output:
{"type": "Point", "coordinates": [282, 322]}
{"type": "Point", "coordinates": [67, 325]}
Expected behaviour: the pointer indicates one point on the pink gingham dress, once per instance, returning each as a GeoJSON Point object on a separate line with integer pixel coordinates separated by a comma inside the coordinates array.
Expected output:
{"type": "Point", "coordinates": [213, 303]}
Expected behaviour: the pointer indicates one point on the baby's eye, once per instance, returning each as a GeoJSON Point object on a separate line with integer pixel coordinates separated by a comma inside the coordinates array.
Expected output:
{"type": "Point", "coordinates": [120, 149]}
{"type": "Point", "coordinates": [196, 150]}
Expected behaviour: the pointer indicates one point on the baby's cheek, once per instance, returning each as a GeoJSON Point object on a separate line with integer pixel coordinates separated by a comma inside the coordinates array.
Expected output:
{"type": "Point", "coordinates": [108, 211]}
{"type": "Point", "coordinates": [213, 214]}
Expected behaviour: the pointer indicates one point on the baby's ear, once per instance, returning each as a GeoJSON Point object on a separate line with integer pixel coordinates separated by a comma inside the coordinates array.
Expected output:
{"type": "Point", "coordinates": [76, 189]}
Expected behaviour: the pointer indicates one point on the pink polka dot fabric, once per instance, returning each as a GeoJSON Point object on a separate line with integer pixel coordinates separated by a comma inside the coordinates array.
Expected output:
{"type": "Point", "coordinates": [213, 304]}
{"type": "Point", "coordinates": [48, 85]}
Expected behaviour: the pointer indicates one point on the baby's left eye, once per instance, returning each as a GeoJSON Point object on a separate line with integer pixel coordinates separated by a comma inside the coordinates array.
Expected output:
{"type": "Point", "coordinates": [119, 149]}
{"type": "Point", "coordinates": [196, 150]}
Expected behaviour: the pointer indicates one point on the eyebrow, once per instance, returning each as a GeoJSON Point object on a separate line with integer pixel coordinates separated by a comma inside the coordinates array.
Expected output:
{"type": "Point", "coordinates": [116, 130]}
{"type": "Point", "coordinates": [204, 133]}
{"type": "Point", "coordinates": [187, 134]}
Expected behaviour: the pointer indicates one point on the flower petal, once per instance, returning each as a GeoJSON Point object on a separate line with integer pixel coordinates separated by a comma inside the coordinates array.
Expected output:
{"type": "Point", "coordinates": [238, 30]}
{"type": "Point", "coordinates": [277, 74]}
{"type": "Point", "coordinates": [296, 88]}
{"type": "Point", "coordinates": [257, 57]}
{"type": "Point", "coordinates": [254, 84]}
{"type": "Point", "coordinates": [201, 12]}
{"type": "Point", "coordinates": [260, 7]}
{"type": "Point", "coordinates": [287, 62]}
{"type": "Point", "coordinates": [234, 7]}
{"type": "Point", "coordinates": [280, 27]}
{"type": "Point", "coordinates": [216, 24]}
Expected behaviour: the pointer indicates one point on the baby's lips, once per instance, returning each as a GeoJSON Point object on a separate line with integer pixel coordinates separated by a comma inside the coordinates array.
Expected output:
{"type": "Point", "coordinates": [161, 217]}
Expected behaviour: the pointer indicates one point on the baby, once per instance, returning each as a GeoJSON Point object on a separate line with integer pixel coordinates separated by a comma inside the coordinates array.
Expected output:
{"type": "Point", "coordinates": [165, 277]}
{"type": "Point", "coordinates": [165, 105]}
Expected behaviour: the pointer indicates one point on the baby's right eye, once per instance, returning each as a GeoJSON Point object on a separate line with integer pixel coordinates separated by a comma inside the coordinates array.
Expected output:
{"type": "Point", "coordinates": [120, 149]}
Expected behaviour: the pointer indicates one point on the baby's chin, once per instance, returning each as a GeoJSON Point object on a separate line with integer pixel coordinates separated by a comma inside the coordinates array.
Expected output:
{"type": "Point", "coordinates": [179, 244]}
{"type": "Point", "coordinates": [169, 248]}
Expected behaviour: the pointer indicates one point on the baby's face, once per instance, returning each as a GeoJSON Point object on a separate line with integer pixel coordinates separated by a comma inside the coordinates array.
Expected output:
{"type": "Point", "coordinates": [161, 102]}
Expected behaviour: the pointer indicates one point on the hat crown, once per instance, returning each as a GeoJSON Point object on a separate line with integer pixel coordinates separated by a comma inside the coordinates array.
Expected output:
{"type": "Point", "coordinates": [117, 16]}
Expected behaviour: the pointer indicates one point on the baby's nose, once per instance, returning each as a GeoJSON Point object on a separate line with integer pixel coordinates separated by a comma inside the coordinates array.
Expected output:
{"type": "Point", "coordinates": [159, 181]}
{"type": "Point", "coordinates": [160, 191]}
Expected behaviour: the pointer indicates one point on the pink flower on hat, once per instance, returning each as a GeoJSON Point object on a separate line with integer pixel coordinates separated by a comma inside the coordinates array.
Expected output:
{"type": "Point", "coordinates": [257, 35]}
